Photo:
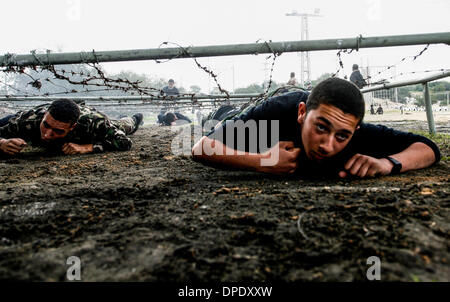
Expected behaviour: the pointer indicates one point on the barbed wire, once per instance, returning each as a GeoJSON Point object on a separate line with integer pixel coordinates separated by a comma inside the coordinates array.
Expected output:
{"type": "Point", "coordinates": [99, 79]}
{"type": "Point", "coordinates": [204, 68]}
{"type": "Point", "coordinates": [399, 62]}
{"type": "Point", "coordinates": [380, 81]}
{"type": "Point", "coordinates": [275, 55]}
{"type": "Point", "coordinates": [94, 76]}
{"type": "Point", "coordinates": [410, 72]}
{"type": "Point", "coordinates": [341, 64]}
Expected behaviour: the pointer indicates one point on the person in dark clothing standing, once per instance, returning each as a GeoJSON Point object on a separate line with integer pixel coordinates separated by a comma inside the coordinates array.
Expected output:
{"type": "Point", "coordinates": [380, 110]}
{"type": "Point", "coordinates": [170, 89]}
{"type": "Point", "coordinates": [356, 77]}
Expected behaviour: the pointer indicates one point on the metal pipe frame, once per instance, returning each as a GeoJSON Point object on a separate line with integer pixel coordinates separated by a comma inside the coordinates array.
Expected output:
{"type": "Point", "coordinates": [357, 43]}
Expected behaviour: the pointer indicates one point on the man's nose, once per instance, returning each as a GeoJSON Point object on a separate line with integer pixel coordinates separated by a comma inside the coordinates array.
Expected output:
{"type": "Point", "coordinates": [327, 144]}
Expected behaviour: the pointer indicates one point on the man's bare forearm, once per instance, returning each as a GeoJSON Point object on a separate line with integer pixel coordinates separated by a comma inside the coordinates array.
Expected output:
{"type": "Point", "coordinates": [214, 151]}
{"type": "Point", "coordinates": [416, 156]}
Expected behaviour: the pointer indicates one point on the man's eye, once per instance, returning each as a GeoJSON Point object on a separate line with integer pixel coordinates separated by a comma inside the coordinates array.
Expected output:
{"type": "Point", "coordinates": [46, 125]}
{"type": "Point", "coordinates": [341, 137]}
{"type": "Point", "coordinates": [321, 127]}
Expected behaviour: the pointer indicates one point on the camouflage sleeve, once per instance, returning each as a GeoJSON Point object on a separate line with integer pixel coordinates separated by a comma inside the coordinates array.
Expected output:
{"type": "Point", "coordinates": [12, 128]}
{"type": "Point", "coordinates": [108, 137]}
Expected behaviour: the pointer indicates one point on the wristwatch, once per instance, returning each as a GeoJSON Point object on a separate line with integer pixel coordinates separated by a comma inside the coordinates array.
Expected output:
{"type": "Point", "coordinates": [397, 165]}
{"type": "Point", "coordinates": [97, 148]}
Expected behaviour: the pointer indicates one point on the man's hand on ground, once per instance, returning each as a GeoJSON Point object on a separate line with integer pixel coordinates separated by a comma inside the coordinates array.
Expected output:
{"type": "Point", "coordinates": [71, 148]}
{"type": "Point", "coordinates": [12, 146]}
{"type": "Point", "coordinates": [287, 158]}
{"type": "Point", "coordinates": [366, 166]}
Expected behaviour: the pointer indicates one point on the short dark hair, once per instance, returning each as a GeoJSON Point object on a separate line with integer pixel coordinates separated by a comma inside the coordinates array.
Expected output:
{"type": "Point", "coordinates": [170, 117]}
{"type": "Point", "coordinates": [338, 93]}
{"type": "Point", "coordinates": [65, 111]}
{"type": "Point", "coordinates": [171, 81]}
{"type": "Point", "coordinates": [355, 66]}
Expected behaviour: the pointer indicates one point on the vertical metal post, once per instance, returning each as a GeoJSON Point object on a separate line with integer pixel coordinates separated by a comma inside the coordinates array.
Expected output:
{"type": "Point", "coordinates": [429, 109]}
{"type": "Point", "coordinates": [308, 61]}
{"type": "Point", "coordinates": [303, 53]}
{"type": "Point", "coordinates": [6, 89]}
{"type": "Point", "coordinates": [395, 89]}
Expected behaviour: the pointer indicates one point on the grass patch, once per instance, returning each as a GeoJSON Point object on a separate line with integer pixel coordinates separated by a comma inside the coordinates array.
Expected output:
{"type": "Point", "coordinates": [442, 140]}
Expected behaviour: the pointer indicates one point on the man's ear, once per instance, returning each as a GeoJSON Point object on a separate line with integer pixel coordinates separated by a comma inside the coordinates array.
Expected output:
{"type": "Point", "coordinates": [301, 113]}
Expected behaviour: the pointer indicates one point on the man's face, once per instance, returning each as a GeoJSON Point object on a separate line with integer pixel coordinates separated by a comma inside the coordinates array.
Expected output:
{"type": "Point", "coordinates": [325, 131]}
{"type": "Point", "coordinates": [171, 84]}
{"type": "Point", "coordinates": [52, 129]}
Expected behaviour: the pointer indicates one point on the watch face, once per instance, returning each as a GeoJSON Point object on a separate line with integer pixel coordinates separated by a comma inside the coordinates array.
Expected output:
{"type": "Point", "coordinates": [397, 165]}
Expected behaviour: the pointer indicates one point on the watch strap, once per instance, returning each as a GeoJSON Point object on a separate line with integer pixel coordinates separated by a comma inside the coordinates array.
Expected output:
{"type": "Point", "coordinates": [397, 165]}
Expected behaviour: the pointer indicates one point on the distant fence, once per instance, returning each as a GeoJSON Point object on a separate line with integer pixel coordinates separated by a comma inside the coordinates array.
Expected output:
{"type": "Point", "coordinates": [426, 91]}
{"type": "Point", "coordinates": [211, 100]}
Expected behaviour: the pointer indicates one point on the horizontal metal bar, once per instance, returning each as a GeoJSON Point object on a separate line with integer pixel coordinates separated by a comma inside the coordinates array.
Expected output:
{"type": "Point", "coordinates": [222, 50]}
{"type": "Point", "coordinates": [408, 82]}
{"type": "Point", "coordinates": [198, 98]}
{"type": "Point", "coordinates": [210, 98]}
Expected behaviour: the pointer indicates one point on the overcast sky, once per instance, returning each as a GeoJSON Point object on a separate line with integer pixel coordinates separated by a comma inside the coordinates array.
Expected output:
{"type": "Point", "coordinates": [81, 25]}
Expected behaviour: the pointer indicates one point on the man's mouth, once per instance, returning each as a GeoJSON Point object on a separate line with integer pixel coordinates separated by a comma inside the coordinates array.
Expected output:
{"type": "Point", "coordinates": [317, 156]}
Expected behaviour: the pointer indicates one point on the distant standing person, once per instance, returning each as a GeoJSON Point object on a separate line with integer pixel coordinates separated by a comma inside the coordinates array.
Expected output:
{"type": "Point", "coordinates": [170, 89]}
{"type": "Point", "coordinates": [356, 77]}
{"type": "Point", "coordinates": [380, 110]}
{"type": "Point", "coordinates": [292, 80]}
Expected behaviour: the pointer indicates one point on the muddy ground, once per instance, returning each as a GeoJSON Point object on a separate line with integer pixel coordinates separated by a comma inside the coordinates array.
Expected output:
{"type": "Point", "coordinates": [147, 215]}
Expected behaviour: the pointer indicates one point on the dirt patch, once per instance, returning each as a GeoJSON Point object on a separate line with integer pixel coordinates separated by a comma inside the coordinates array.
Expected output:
{"type": "Point", "coordinates": [149, 215]}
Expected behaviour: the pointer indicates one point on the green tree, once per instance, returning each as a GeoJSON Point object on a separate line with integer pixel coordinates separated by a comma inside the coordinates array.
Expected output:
{"type": "Point", "coordinates": [195, 89]}
{"type": "Point", "coordinates": [321, 78]}
{"type": "Point", "coordinates": [253, 88]}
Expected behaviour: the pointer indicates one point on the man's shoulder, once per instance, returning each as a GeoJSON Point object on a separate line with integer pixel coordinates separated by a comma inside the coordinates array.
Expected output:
{"type": "Point", "coordinates": [275, 106]}
{"type": "Point", "coordinates": [90, 115]}
{"type": "Point", "coordinates": [89, 111]}
{"type": "Point", "coordinates": [366, 128]}
{"type": "Point", "coordinates": [368, 132]}
{"type": "Point", "coordinates": [285, 101]}
{"type": "Point", "coordinates": [35, 114]}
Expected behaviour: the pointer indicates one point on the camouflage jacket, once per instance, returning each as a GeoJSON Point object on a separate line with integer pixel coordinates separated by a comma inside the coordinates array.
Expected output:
{"type": "Point", "coordinates": [93, 127]}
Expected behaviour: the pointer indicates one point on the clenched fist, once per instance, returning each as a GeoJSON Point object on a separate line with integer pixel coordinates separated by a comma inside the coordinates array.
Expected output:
{"type": "Point", "coordinates": [71, 148]}
{"type": "Point", "coordinates": [280, 159]}
{"type": "Point", "coordinates": [366, 166]}
{"type": "Point", "coordinates": [12, 146]}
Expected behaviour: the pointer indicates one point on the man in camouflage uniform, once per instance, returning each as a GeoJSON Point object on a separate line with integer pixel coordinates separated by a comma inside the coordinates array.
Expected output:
{"type": "Point", "coordinates": [68, 127]}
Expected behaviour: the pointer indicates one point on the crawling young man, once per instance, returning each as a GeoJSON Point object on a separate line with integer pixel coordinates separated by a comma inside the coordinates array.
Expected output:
{"type": "Point", "coordinates": [318, 133]}
{"type": "Point", "coordinates": [66, 126]}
